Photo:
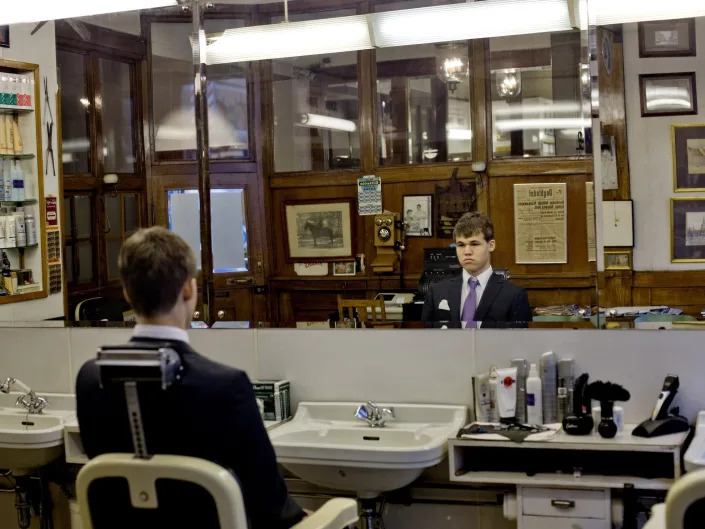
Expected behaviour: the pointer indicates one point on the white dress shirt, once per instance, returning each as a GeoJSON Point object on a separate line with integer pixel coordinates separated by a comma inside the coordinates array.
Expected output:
{"type": "Point", "coordinates": [482, 280]}
{"type": "Point", "coordinates": [160, 332]}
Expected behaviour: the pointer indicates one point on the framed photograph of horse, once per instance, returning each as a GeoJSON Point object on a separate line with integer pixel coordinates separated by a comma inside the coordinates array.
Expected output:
{"type": "Point", "coordinates": [318, 230]}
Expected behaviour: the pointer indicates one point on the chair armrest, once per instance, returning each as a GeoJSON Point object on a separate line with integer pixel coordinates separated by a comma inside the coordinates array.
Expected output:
{"type": "Point", "coordinates": [337, 513]}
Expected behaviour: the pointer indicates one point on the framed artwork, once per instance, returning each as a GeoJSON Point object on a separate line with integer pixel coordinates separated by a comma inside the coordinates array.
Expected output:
{"type": "Point", "coordinates": [667, 38]}
{"type": "Point", "coordinates": [688, 230]}
{"type": "Point", "coordinates": [344, 268]}
{"type": "Point", "coordinates": [668, 94]}
{"type": "Point", "coordinates": [618, 259]}
{"type": "Point", "coordinates": [4, 36]}
{"type": "Point", "coordinates": [319, 230]}
{"type": "Point", "coordinates": [418, 214]}
{"type": "Point", "coordinates": [453, 201]}
{"type": "Point", "coordinates": [688, 143]}
{"type": "Point", "coordinates": [618, 223]}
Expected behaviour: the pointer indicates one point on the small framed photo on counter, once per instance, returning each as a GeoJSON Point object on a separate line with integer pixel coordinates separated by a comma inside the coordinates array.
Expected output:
{"type": "Point", "coordinates": [667, 38]}
{"type": "Point", "coordinates": [618, 259]}
{"type": "Point", "coordinates": [688, 230]}
{"type": "Point", "coordinates": [688, 144]}
{"type": "Point", "coordinates": [344, 268]}
{"type": "Point", "coordinates": [668, 94]}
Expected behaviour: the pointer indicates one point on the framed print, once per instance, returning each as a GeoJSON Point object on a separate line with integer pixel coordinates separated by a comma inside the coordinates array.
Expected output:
{"type": "Point", "coordinates": [318, 230]}
{"type": "Point", "coordinates": [418, 214]}
{"type": "Point", "coordinates": [618, 223]}
{"type": "Point", "coordinates": [453, 201]}
{"type": "Point", "coordinates": [667, 38]}
{"type": "Point", "coordinates": [688, 144]}
{"type": "Point", "coordinates": [344, 268]}
{"type": "Point", "coordinates": [4, 36]}
{"type": "Point", "coordinates": [688, 230]}
{"type": "Point", "coordinates": [618, 259]}
{"type": "Point", "coordinates": [668, 94]}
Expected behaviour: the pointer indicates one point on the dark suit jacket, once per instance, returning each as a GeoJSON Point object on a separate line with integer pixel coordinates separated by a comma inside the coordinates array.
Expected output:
{"type": "Point", "coordinates": [211, 414]}
{"type": "Point", "coordinates": [502, 304]}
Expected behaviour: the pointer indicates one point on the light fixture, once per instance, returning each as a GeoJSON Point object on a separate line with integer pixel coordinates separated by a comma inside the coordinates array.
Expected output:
{"type": "Point", "coordinates": [290, 39]}
{"type": "Point", "coordinates": [508, 82]}
{"type": "Point", "coordinates": [40, 10]}
{"type": "Point", "coordinates": [452, 64]}
{"type": "Point", "coordinates": [326, 122]}
{"type": "Point", "coordinates": [491, 18]}
{"type": "Point", "coordinates": [603, 12]}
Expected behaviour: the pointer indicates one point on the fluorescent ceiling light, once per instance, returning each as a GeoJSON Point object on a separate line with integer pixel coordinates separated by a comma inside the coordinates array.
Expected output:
{"type": "Point", "coordinates": [290, 39]}
{"type": "Point", "coordinates": [491, 18]}
{"type": "Point", "coordinates": [603, 12]}
{"type": "Point", "coordinates": [40, 10]}
{"type": "Point", "coordinates": [326, 122]}
{"type": "Point", "coordinates": [541, 123]}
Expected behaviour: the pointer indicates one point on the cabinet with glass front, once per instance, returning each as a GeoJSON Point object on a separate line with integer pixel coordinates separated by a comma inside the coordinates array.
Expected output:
{"type": "Point", "coordinates": [22, 247]}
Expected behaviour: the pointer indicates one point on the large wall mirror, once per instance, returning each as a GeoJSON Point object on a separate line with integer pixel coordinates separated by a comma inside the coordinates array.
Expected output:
{"type": "Point", "coordinates": [585, 146]}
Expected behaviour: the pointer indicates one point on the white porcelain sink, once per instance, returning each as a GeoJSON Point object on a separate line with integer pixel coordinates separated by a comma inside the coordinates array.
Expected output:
{"type": "Point", "coordinates": [326, 445]}
{"type": "Point", "coordinates": [30, 440]}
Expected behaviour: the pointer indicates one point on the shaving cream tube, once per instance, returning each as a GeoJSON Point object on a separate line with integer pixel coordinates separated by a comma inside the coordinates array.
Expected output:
{"type": "Point", "coordinates": [481, 387]}
{"type": "Point", "coordinates": [507, 393]}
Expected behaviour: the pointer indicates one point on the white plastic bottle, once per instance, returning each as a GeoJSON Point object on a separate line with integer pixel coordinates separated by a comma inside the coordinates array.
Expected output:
{"type": "Point", "coordinates": [534, 397]}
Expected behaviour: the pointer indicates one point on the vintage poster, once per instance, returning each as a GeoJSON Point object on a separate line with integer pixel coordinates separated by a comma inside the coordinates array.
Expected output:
{"type": "Point", "coordinates": [540, 226]}
{"type": "Point", "coordinates": [590, 205]}
{"type": "Point", "coordinates": [369, 195]}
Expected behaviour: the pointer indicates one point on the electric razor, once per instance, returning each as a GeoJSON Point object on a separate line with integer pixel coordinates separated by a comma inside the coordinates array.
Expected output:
{"type": "Point", "coordinates": [579, 422]}
{"type": "Point", "coordinates": [665, 398]}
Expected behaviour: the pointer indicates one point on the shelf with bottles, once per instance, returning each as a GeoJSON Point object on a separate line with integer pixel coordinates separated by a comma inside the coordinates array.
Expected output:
{"type": "Point", "coordinates": [12, 109]}
{"type": "Point", "coordinates": [26, 202]}
{"type": "Point", "coordinates": [22, 156]}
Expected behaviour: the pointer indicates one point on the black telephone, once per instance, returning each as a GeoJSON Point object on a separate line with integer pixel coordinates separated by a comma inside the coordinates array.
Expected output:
{"type": "Point", "coordinates": [439, 264]}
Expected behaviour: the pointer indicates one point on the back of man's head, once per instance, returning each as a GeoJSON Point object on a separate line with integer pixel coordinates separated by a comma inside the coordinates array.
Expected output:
{"type": "Point", "coordinates": [474, 223]}
{"type": "Point", "coordinates": [154, 265]}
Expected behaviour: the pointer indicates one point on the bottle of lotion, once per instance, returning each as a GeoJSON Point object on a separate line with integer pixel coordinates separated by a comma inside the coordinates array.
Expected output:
{"type": "Point", "coordinates": [534, 397]}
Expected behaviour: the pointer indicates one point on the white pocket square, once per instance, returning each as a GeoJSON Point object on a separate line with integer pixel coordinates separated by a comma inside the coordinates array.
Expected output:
{"type": "Point", "coordinates": [443, 305]}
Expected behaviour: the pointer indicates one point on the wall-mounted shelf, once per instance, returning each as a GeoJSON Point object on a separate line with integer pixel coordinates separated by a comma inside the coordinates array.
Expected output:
{"type": "Point", "coordinates": [22, 247]}
{"type": "Point", "coordinates": [28, 202]}
{"type": "Point", "coordinates": [11, 109]}
{"type": "Point", "coordinates": [16, 156]}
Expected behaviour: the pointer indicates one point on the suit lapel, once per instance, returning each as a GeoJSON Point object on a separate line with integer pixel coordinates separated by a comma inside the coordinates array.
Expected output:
{"type": "Point", "coordinates": [493, 288]}
{"type": "Point", "coordinates": [454, 295]}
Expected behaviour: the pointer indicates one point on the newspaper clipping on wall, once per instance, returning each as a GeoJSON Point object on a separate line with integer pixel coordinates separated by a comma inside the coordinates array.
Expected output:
{"type": "Point", "coordinates": [540, 227]}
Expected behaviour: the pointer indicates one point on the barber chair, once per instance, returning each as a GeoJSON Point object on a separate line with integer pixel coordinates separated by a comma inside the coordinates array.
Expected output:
{"type": "Point", "coordinates": [143, 491]}
{"type": "Point", "coordinates": [684, 507]}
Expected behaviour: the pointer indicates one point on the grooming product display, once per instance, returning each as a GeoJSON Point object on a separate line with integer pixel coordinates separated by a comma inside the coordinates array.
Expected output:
{"type": "Point", "coordinates": [17, 176]}
{"type": "Point", "coordinates": [273, 399]}
{"type": "Point", "coordinates": [493, 415]}
{"type": "Point", "coordinates": [549, 386]}
{"type": "Point", "coordinates": [17, 146]}
{"type": "Point", "coordinates": [6, 191]}
{"type": "Point", "coordinates": [579, 421]}
{"type": "Point", "coordinates": [20, 233]}
{"type": "Point", "coordinates": [534, 397]}
{"type": "Point", "coordinates": [30, 227]}
{"type": "Point", "coordinates": [7, 125]}
{"type": "Point", "coordinates": [663, 420]}
{"type": "Point", "coordinates": [507, 394]}
{"type": "Point", "coordinates": [10, 239]}
{"type": "Point", "coordinates": [566, 380]}
{"type": "Point", "coordinates": [3, 227]}
{"type": "Point", "coordinates": [481, 390]}
{"type": "Point", "coordinates": [3, 135]}
{"type": "Point", "coordinates": [607, 393]}
{"type": "Point", "coordinates": [522, 368]}
{"type": "Point", "coordinates": [617, 416]}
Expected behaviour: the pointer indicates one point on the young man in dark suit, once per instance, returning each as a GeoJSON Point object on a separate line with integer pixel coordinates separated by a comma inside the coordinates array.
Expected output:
{"type": "Point", "coordinates": [211, 413]}
{"type": "Point", "coordinates": [478, 297]}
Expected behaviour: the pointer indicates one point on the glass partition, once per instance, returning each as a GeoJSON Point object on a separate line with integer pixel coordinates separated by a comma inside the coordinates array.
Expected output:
{"type": "Point", "coordinates": [228, 230]}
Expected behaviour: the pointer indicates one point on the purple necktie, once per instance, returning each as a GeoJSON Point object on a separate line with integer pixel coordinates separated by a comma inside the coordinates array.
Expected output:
{"type": "Point", "coordinates": [470, 305]}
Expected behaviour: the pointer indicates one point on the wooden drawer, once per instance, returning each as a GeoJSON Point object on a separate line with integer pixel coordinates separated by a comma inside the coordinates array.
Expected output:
{"type": "Point", "coordinates": [575, 503]}
{"type": "Point", "coordinates": [548, 522]}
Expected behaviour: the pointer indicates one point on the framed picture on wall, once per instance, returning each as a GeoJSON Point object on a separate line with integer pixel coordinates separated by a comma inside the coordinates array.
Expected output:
{"type": "Point", "coordinates": [667, 38]}
{"type": "Point", "coordinates": [618, 259]}
{"type": "Point", "coordinates": [320, 230]}
{"type": "Point", "coordinates": [344, 268]}
{"type": "Point", "coordinates": [618, 223]}
{"type": "Point", "coordinates": [418, 214]}
{"type": "Point", "coordinates": [4, 36]}
{"type": "Point", "coordinates": [668, 94]}
{"type": "Point", "coordinates": [688, 144]}
{"type": "Point", "coordinates": [688, 230]}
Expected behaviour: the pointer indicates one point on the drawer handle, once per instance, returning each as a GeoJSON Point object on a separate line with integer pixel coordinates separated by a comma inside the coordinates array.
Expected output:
{"type": "Point", "coordinates": [563, 504]}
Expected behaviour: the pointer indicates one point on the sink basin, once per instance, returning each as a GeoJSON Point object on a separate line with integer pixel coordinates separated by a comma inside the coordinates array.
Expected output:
{"type": "Point", "coordinates": [30, 441]}
{"type": "Point", "coordinates": [326, 445]}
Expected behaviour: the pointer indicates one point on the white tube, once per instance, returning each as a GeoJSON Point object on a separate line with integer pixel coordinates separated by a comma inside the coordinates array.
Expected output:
{"type": "Point", "coordinates": [326, 122]}
{"type": "Point", "coordinates": [507, 392]}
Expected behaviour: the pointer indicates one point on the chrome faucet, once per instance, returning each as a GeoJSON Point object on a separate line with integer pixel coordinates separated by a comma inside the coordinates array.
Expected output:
{"type": "Point", "coordinates": [373, 415]}
{"type": "Point", "coordinates": [31, 401]}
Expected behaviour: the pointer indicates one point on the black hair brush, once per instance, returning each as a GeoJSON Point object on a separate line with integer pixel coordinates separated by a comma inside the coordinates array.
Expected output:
{"type": "Point", "coordinates": [607, 393]}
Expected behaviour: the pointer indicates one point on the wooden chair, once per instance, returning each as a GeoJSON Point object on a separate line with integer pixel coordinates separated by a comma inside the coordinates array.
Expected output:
{"type": "Point", "coordinates": [375, 317]}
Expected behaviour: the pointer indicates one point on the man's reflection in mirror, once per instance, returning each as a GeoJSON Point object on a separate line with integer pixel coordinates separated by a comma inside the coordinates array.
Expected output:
{"type": "Point", "coordinates": [478, 297]}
